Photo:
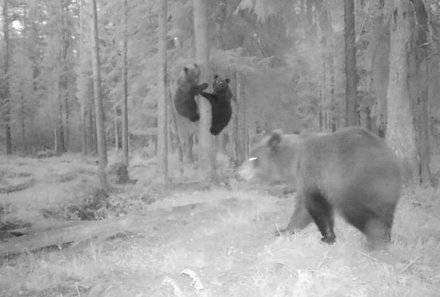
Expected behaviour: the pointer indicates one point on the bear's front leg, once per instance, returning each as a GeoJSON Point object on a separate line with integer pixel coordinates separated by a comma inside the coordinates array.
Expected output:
{"type": "Point", "coordinates": [322, 213]}
{"type": "Point", "coordinates": [300, 218]}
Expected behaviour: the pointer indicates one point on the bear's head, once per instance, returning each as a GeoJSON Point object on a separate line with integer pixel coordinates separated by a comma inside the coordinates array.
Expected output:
{"type": "Point", "coordinates": [192, 73]}
{"type": "Point", "coordinates": [271, 160]}
{"type": "Point", "coordinates": [220, 84]}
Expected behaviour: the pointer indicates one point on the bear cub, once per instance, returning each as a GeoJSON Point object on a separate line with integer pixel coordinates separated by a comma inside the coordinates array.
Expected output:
{"type": "Point", "coordinates": [187, 88]}
{"type": "Point", "coordinates": [350, 171]}
{"type": "Point", "coordinates": [220, 100]}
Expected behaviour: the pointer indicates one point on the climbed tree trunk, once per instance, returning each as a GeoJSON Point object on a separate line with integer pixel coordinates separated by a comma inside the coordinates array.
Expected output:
{"type": "Point", "coordinates": [162, 121]}
{"type": "Point", "coordinates": [6, 100]}
{"type": "Point", "coordinates": [99, 110]}
{"type": "Point", "coordinates": [400, 121]}
{"type": "Point", "coordinates": [125, 89]}
{"type": "Point", "coordinates": [351, 115]}
{"type": "Point", "coordinates": [207, 157]}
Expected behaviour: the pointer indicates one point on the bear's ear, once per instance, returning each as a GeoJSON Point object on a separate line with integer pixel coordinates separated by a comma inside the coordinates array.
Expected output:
{"type": "Point", "coordinates": [227, 80]}
{"type": "Point", "coordinates": [216, 76]}
{"type": "Point", "coordinates": [185, 69]}
{"type": "Point", "coordinates": [275, 139]}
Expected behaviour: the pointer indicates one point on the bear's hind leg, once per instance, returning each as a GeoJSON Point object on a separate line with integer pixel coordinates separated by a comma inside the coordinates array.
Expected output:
{"type": "Point", "coordinates": [378, 230]}
{"type": "Point", "coordinates": [322, 213]}
{"type": "Point", "coordinates": [378, 235]}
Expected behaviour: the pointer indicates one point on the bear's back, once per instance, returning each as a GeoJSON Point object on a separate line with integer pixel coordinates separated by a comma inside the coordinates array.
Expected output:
{"type": "Point", "coordinates": [346, 163]}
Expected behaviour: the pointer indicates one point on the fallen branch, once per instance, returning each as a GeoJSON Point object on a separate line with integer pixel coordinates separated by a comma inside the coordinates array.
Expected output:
{"type": "Point", "coordinates": [79, 231]}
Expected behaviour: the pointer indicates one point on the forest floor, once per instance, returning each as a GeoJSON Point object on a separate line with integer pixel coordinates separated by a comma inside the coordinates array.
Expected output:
{"type": "Point", "coordinates": [217, 241]}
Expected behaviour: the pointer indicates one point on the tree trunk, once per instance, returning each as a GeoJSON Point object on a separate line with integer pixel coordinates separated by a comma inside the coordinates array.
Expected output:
{"type": "Point", "coordinates": [220, 17]}
{"type": "Point", "coordinates": [351, 115]}
{"type": "Point", "coordinates": [380, 68]}
{"type": "Point", "coordinates": [207, 157]}
{"type": "Point", "coordinates": [162, 121]}
{"type": "Point", "coordinates": [115, 111]}
{"type": "Point", "coordinates": [125, 89]}
{"type": "Point", "coordinates": [23, 122]}
{"type": "Point", "coordinates": [62, 82]}
{"type": "Point", "coordinates": [93, 141]}
{"type": "Point", "coordinates": [176, 128]}
{"type": "Point", "coordinates": [83, 99]}
{"type": "Point", "coordinates": [400, 122]}
{"type": "Point", "coordinates": [6, 93]}
{"type": "Point", "coordinates": [240, 120]}
{"type": "Point", "coordinates": [328, 65]}
{"type": "Point", "coordinates": [419, 78]}
{"type": "Point", "coordinates": [59, 135]}
{"type": "Point", "coordinates": [99, 110]}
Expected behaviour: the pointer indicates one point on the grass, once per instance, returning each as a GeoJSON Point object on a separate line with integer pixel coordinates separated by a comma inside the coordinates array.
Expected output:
{"type": "Point", "coordinates": [228, 249]}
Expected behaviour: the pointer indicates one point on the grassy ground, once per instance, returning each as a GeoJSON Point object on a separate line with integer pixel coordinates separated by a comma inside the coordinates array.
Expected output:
{"type": "Point", "coordinates": [224, 247]}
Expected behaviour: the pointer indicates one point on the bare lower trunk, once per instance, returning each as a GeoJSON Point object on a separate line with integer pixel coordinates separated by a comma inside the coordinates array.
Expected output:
{"type": "Point", "coordinates": [380, 47]}
{"type": "Point", "coordinates": [162, 116]}
{"type": "Point", "coordinates": [352, 115]}
{"type": "Point", "coordinates": [99, 111]}
{"type": "Point", "coordinates": [125, 148]}
{"type": "Point", "coordinates": [400, 122]}
{"type": "Point", "coordinates": [419, 76]}
{"type": "Point", "coordinates": [6, 93]}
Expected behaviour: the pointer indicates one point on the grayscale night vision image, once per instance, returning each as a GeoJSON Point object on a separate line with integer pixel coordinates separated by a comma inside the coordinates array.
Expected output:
{"type": "Point", "coordinates": [213, 148]}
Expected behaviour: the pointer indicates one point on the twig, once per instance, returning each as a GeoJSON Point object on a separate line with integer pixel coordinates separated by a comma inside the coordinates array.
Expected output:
{"type": "Point", "coordinates": [369, 257]}
{"type": "Point", "coordinates": [322, 261]}
{"type": "Point", "coordinates": [411, 263]}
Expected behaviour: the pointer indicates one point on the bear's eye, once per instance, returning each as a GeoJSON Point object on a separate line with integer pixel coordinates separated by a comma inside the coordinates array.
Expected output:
{"type": "Point", "coordinates": [254, 161]}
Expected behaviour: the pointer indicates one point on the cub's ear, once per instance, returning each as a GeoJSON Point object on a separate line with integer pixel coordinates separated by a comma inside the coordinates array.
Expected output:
{"type": "Point", "coordinates": [216, 76]}
{"type": "Point", "coordinates": [186, 69]}
{"type": "Point", "coordinates": [227, 80]}
{"type": "Point", "coordinates": [275, 139]}
{"type": "Point", "coordinates": [195, 65]}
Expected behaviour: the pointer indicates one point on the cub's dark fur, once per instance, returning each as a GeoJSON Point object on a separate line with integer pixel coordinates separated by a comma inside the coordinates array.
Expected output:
{"type": "Point", "coordinates": [187, 89]}
{"type": "Point", "coordinates": [351, 171]}
{"type": "Point", "coordinates": [220, 100]}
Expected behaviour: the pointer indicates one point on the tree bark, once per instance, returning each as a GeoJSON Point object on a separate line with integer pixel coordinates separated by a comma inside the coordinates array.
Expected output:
{"type": "Point", "coordinates": [116, 124]}
{"type": "Point", "coordinates": [125, 148]}
{"type": "Point", "coordinates": [176, 128]}
{"type": "Point", "coordinates": [328, 65]}
{"type": "Point", "coordinates": [83, 99]}
{"type": "Point", "coordinates": [241, 120]}
{"type": "Point", "coordinates": [419, 76]}
{"type": "Point", "coordinates": [6, 92]}
{"type": "Point", "coordinates": [207, 157]}
{"type": "Point", "coordinates": [162, 115]}
{"type": "Point", "coordinates": [99, 110]}
{"type": "Point", "coordinates": [63, 117]}
{"type": "Point", "coordinates": [351, 115]}
{"type": "Point", "coordinates": [380, 47]}
{"type": "Point", "coordinates": [400, 121]}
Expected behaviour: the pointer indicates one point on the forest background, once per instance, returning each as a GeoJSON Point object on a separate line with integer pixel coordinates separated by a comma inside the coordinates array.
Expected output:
{"type": "Point", "coordinates": [288, 61]}
{"type": "Point", "coordinates": [80, 79]}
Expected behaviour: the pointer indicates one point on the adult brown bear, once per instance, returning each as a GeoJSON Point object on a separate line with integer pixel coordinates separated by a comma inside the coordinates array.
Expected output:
{"type": "Point", "coordinates": [351, 171]}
